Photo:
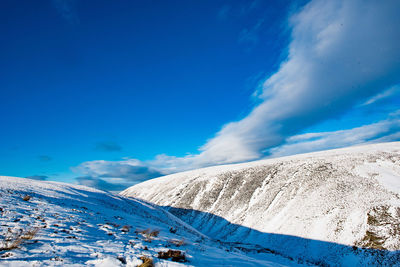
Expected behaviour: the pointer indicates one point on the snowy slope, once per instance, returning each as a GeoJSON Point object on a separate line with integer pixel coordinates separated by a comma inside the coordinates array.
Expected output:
{"type": "Point", "coordinates": [68, 225]}
{"type": "Point", "coordinates": [324, 206]}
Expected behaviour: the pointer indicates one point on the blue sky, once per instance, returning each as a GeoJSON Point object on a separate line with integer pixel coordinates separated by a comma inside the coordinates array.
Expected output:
{"type": "Point", "coordinates": [108, 95]}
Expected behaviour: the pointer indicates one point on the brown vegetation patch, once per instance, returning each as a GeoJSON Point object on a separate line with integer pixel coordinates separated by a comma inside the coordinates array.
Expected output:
{"type": "Point", "coordinates": [147, 262]}
{"type": "Point", "coordinates": [14, 240]}
{"type": "Point", "coordinates": [174, 255]}
{"type": "Point", "coordinates": [125, 228]}
{"type": "Point", "coordinates": [176, 242]}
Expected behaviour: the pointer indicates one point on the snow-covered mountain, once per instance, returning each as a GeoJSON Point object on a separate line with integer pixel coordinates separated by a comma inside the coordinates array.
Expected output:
{"type": "Point", "coordinates": [338, 207]}
{"type": "Point", "coordinates": [56, 224]}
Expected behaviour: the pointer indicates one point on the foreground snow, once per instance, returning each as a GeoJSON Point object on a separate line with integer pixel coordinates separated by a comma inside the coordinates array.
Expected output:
{"type": "Point", "coordinates": [338, 207]}
{"type": "Point", "coordinates": [48, 223]}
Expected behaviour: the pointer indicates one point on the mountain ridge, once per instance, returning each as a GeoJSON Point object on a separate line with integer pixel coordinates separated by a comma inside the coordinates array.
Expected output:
{"type": "Point", "coordinates": [348, 196]}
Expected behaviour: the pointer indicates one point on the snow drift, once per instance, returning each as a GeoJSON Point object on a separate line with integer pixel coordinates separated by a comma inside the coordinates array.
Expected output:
{"type": "Point", "coordinates": [56, 224]}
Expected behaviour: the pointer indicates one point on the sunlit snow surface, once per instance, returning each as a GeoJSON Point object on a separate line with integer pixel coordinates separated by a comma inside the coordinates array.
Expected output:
{"type": "Point", "coordinates": [80, 226]}
{"type": "Point", "coordinates": [338, 207]}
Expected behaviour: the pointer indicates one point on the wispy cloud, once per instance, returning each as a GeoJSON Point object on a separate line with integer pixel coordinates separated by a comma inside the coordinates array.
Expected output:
{"type": "Point", "coordinates": [251, 35]}
{"type": "Point", "coordinates": [238, 9]}
{"type": "Point", "coordinates": [67, 10]}
{"type": "Point", "coordinates": [108, 146]}
{"type": "Point", "coordinates": [223, 12]}
{"type": "Point", "coordinates": [45, 158]}
{"type": "Point", "coordinates": [249, 6]}
{"type": "Point", "coordinates": [385, 94]}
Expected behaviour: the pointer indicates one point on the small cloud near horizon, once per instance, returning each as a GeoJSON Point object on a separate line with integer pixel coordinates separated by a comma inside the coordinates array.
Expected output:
{"type": "Point", "coordinates": [108, 146]}
{"type": "Point", "coordinates": [114, 175]}
{"type": "Point", "coordinates": [38, 177]}
{"type": "Point", "coordinates": [45, 158]}
{"type": "Point", "coordinates": [99, 183]}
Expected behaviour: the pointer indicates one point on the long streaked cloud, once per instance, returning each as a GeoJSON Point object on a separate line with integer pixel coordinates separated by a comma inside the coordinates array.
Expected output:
{"type": "Point", "coordinates": [395, 90]}
{"type": "Point", "coordinates": [341, 54]}
{"type": "Point", "coordinates": [383, 131]}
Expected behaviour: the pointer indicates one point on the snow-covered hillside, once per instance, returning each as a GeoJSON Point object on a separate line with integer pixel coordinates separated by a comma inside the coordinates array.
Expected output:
{"type": "Point", "coordinates": [47, 223]}
{"type": "Point", "coordinates": [338, 207]}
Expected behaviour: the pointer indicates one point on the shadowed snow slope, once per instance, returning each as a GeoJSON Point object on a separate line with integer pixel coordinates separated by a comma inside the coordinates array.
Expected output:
{"type": "Point", "coordinates": [47, 223]}
{"type": "Point", "coordinates": [347, 197]}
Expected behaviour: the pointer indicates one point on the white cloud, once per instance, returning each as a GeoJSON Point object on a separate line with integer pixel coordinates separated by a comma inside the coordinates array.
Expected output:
{"type": "Point", "coordinates": [132, 170]}
{"type": "Point", "coordinates": [385, 94]}
{"type": "Point", "coordinates": [116, 175]}
{"type": "Point", "coordinates": [383, 131]}
{"type": "Point", "coordinates": [341, 53]}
